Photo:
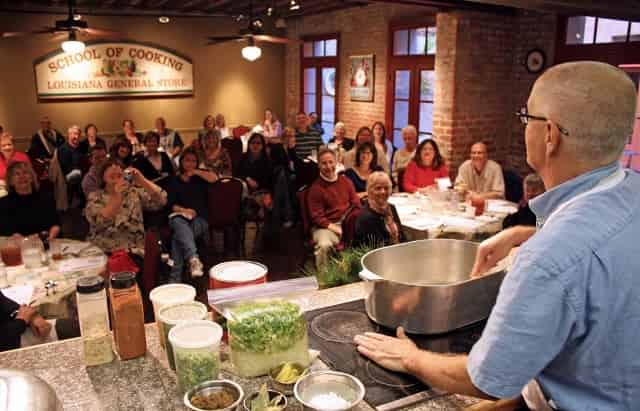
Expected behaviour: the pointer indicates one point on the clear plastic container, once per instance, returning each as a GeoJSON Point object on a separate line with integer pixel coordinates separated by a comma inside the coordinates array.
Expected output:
{"type": "Point", "coordinates": [94, 320]}
{"type": "Point", "coordinates": [196, 351]}
{"type": "Point", "coordinates": [32, 252]}
{"type": "Point", "coordinates": [174, 314]}
{"type": "Point", "coordinates": [169, 294]}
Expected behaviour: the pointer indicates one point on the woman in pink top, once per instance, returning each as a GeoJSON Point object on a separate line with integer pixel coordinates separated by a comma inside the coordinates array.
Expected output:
{"type": "Point", "coordinates": [8, 154]}
{"type": "Point", "coordinates": [271, 127]}
{"type": "Point", "coordinates": [426, 166]}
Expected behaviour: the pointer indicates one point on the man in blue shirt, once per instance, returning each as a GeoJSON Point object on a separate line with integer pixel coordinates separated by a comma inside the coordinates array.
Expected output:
{"type": "Point", "coordinates": [565, 329]}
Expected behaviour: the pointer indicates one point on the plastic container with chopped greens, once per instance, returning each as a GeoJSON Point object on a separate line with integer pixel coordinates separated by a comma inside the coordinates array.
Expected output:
{"type": "Point", "coordinates": [264, 334]}
{"type": "Point", "coordinates": [196, 351]}
{"type": "Point", "coordinates": [173, 314]}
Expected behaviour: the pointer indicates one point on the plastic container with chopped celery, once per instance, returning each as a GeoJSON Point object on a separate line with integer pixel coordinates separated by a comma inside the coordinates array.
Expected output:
{"type": "Point", "coordinates": [264, 334]}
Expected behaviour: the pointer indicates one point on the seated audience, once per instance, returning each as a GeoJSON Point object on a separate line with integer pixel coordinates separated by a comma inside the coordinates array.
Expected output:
{"type": "Point", "coordinates": [257, 173]}
{"type": "Point", "coordinates": [153, 164]}
{"type": "Point", "coordinates": [70, 157]}
{"type": "Point", "coordinates": [91, 131]}
{"type": "Point", "coordinates": [189, 204]}
{"type": "Point", "coordinates": [135, 138]}
{"type": "Point", "coordinates": [364, 136]}
{"type": "Point", "coordinates": [122, 151]}
{"type": "Point", "coordinates": [17, 321]}
{"type": "Point", "coordinates": [26, 210]}
{"type": "Point", "coordinates": [378, 224]}
{"type": "Point", "coordinates": [426, 166]}
{"type": "Point", "coordinates": [221, 126]}
{"type": "Point", "coordinates": [97, 157]}
{"type": "Point", "coordinates": [403, 156]}
{"type": "Point", "coordinates": [533, 186]}
{"type": "Point", "coordinates": [45, 141]}
{"type": "Point", "coordinates": [271, 127]}
{"type": "Point", "coordinates": [8, 154]}
{"type": "Point", "coordinates": [381, 140]}
{"type": "Point", "coordinates": [366, 163]}
{"type": "Point", "coordinates": [308, 139]}
{"type": "Point", "coordinates": [114, 212]}
{"type": "Point", "coordinates": [340, 137]}
{"type": "Point", "coordinates": [314, 123]}
{"type": "Point", "coordinates": [483, 177]}
{"type": "Point", "coordinates": [331, 198]}
{"type": "Point", "coordinates": [170, 140]}
{"type": "Point", "coordinates": [215, 158]}
{"type": "Point", "coordinates": [208, 124]}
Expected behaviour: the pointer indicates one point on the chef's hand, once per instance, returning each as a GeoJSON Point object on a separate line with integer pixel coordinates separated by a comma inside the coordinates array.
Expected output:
{"type": "Point", "coordinates": [26, 313]}
{"type": "Point", "coordinates": [40, 327]}
{"type": "Point", "coordinates": [498, 247]}
{"type": "Point", "coordinates": [389, 352]}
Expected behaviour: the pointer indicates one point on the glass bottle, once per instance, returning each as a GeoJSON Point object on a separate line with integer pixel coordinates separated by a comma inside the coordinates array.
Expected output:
{"type": "Point", "coordinates": [94, 320]}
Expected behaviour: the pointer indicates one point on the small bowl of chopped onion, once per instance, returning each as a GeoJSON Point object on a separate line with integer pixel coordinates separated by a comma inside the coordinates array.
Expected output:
{"type": "Point", "coordinates": [214, 395]}
{"type": "Point", "coordinates": [328, 391]}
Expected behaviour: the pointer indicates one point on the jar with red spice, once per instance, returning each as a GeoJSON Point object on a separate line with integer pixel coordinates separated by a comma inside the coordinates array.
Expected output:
{"type": "Point", "coordinates": [127, 316]}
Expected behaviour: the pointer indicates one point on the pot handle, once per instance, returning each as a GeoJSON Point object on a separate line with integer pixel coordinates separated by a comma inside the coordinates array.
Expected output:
{"type": "Point", "coordinates": [367, 275]}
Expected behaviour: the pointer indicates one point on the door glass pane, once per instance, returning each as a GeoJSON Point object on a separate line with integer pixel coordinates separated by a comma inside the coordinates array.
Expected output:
{"type": "Point", "coordinates": [328, 131]}
{"type": "Point", "coordinates": [307, 49]}
{"type": "Point", "coordinates": [403, 83]}
{"type": "Point", "coordinates": [329, 81]}
{"type": "Point", "coordinates": [418, 41]}
{"type": "Point", "coordinates": [400, 42]}
{"type": "Point", "coordinates": [580, 29]}
{"type": "Point", "coordinates": [612, 31]}
{"type": "Point", "coordinates": [431, 40]}
{"type": "Point", "coordinates": [318, 48]}
{"type": "Point", "coordinates": [426, 117]}
{"type": "Point", "coordinates": [310, 80]}
{"type": "Point", "coordinates": [397, 138]}
{"type": "Point", "coordinates": [400, 114]}
{"type": "Point", "coordinates": [309, 103]}
{"type": "Point", "coordinates": [427, 84]}
{"type": "Point", "coordinates": [331, 47]}
{"type": "Point", "coordinates": [424, 136]}
{"type": "Point", "coordinates": [328, 108]}
{"type": "Point", "coordinates": [635, 32]}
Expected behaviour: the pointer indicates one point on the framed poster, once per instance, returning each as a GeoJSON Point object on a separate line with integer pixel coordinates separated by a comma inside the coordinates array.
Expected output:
{"type": "Point", "coordinates": [362, 77]}
{"type": "Point", "coordinates": [107, 69]}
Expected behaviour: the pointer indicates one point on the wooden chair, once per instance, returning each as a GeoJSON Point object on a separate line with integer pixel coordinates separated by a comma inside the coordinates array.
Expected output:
{"type": "Point", "coordinates": [400, 180]}
{"type": "Point", "coordinates": [234, 148]}
{"type": "Point", "coordinates": [306, 173]}
{"type": "Point", "coordinates": [225, 209]}
{"type": "Point", "coordinates": [240, 131]}
{"type": "Point", "coordinates": [512, 186]}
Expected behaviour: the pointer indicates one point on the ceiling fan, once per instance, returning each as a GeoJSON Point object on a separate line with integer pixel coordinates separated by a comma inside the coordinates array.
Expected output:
{"type": "Point", "coordinates": [256, 32]}
{"type": "Point", "coordinates": [69, 29]}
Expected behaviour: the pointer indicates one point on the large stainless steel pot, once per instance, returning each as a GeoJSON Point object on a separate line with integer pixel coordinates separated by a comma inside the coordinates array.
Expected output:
{"type": "Point", "coordinates": [22, 391]}
{"type": "Point", "coordinates": [424, 286]}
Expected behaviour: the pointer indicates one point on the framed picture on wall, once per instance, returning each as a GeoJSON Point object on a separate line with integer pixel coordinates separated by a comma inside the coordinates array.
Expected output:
{"type": "Point", "coordinates": [361, 77]}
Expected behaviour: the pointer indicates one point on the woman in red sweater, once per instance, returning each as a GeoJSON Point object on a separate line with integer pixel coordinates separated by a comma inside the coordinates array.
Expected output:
{"type": "Point", "coordinates": [426, 166]}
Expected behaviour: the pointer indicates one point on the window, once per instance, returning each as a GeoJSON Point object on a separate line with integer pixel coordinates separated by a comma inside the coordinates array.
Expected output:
{"type": "Point", "coordinates": [598, 30]}
{"type": "Point", "coordinates": [320, 80]}
{"type": "Point", "coordinates": [411, 87]}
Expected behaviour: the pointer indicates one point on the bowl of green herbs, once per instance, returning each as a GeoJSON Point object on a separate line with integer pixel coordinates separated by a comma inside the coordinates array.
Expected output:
{"type": "Point", "coordinates": [265, 400]}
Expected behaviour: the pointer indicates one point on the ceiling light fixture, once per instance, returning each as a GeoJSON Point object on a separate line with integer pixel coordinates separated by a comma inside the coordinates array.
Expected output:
{"type": "Point", "coordinates": [257, 24]}
{"type": "Point", "coordinates": [269, 11]}
{"type": "Point", "coordinates": [72, 45]}
{"type": "Point", "coordinates": [239, 17]}
{"type": "Point", "coordinates": [294, 5]}
{"type": "Point", "coordinates": [163, 19]}
{"type": "Point", "coordinates": [251, 52]}
{"type": "Point", "coordinates": [77, 17]}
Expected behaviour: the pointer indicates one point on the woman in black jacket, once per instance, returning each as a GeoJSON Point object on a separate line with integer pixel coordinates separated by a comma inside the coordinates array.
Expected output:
{"type": "Point", "coordinates": [154, 165]}
{"type": "Point", "coordinates": [257, 173]}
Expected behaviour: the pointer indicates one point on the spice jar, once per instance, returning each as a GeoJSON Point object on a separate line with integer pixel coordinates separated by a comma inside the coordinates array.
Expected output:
{"type": "Point", "coordinates": [127, 315]}
{"type": "Point", "coordinates": [196, 351]}
{"type": "Point", "coordinates": [174, 314]}
{"type": "Point", "coordinates": [94, 320]}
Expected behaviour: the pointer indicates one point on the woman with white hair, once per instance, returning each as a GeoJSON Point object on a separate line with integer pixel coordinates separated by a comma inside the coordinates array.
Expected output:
{"type": "Point", "coordinates": [340, 137]}
{"type": "Point", "coordinates": [378, 224]}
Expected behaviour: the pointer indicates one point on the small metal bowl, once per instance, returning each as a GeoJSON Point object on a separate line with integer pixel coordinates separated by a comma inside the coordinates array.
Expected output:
{"type": "Point", "coordinates": [246, 404]}
{"type": "Point", "coordinates": [209, 387]}
{"type": "Point", "coordinates": [285, 388]}
{"type": "Point", "coordinates": [348, 387]}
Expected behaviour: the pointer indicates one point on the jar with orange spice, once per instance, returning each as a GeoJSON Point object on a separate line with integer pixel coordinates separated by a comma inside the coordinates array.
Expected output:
{"type": "Point", "coordinates": [127, 316]}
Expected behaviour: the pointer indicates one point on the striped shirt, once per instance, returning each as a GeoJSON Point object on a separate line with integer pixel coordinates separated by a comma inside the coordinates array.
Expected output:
{"type": "Point", "coordinates": [307, 141]}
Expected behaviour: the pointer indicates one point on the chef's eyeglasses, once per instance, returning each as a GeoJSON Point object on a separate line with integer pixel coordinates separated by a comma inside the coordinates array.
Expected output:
{"type": "Point", "coordinates": [525, 117]}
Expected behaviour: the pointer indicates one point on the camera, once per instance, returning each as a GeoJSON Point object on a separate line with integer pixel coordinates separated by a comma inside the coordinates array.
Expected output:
{"type": "Point", "coordinates": [128, 176]}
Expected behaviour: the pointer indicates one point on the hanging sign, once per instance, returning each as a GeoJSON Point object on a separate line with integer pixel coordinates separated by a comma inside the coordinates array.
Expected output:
{"type": "Point", "coordinates": [113, 69]}
{"type": "Point", "coordinates": [362, 79]}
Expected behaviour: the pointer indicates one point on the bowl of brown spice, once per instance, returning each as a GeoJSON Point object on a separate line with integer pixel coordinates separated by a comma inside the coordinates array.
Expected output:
{"type": "Point", "coordinates": [214, 395]}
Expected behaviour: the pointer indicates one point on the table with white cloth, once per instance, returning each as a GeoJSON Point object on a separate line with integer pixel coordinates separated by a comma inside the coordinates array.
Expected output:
{"type": "Point", "coordinates": [79, 259]}
{"type": "Point", "coordinates": [423, 217]}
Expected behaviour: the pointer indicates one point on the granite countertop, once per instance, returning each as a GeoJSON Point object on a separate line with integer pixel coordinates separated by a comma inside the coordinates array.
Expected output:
{"type": "Point", "coordinates": [147, 383]}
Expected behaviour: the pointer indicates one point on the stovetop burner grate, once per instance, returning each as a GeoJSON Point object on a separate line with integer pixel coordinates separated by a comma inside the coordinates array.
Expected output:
{"type": "Point", "coordinates": [342, 326]}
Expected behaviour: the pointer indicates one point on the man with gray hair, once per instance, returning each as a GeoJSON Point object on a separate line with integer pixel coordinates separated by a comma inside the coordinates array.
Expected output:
{"type": "Point", "coordinates": [566, 324]}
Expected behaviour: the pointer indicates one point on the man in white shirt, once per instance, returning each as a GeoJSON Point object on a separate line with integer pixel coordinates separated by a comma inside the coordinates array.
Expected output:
{"type": "Point", "coordinates": [483, 177]}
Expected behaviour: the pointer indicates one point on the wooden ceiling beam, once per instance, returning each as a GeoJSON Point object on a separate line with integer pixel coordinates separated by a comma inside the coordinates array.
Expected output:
{"type": "Point", "coordinates": [624, 9]}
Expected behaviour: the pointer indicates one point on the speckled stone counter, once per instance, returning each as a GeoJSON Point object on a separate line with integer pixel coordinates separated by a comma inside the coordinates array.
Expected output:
{"type": "Point", "coordinates": [148, 383]}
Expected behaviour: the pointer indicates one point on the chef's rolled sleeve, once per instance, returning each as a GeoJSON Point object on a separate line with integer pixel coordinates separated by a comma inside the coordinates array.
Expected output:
{"type": "Point", "coordinates": [529, 325]}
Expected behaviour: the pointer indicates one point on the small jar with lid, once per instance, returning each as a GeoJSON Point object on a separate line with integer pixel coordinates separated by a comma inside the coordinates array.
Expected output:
{"type": "Point", "coordinates": [127, 315]}
{"type": "Point", "coordinates": [94, 320]}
